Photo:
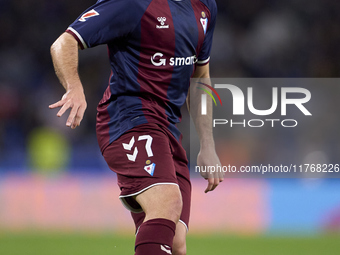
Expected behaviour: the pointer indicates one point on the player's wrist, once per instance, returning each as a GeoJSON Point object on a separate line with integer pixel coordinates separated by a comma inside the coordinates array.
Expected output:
{"type": "Point", "coordinates": [74, 85]}
{"type": "Point", "coordinates": [207, 149]}
{"type": "Point", "coordinates": [207, 143]}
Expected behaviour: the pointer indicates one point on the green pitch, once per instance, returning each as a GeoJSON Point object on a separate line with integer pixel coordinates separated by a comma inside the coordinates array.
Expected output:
{"type": "Point", "coordinates": [108, 244]}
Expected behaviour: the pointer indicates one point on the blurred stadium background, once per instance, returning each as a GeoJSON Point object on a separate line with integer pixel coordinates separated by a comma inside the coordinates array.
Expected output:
{"type": "Point", "coordinates": [58, 197]}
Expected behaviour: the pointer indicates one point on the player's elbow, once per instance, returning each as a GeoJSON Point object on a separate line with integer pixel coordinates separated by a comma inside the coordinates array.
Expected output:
{"type": "Point", "coordinates": [56, 46]}
{"type": "Point", "coordinates": [53, 48]}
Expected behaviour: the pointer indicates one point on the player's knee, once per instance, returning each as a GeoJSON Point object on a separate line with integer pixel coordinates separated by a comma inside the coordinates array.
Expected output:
{"type": "Point", "coordinates": [169, 206]}
{"type": "Point", "coordinates": [163, 201]}
{"type": "Point", "coordinates": [179, 244]}
{"type": "Point", "coordinates": [174, 205]}
{"type": "Point", "coordinates": [172, 202]}
{"type": "Point", "coordinates": [179, 249]}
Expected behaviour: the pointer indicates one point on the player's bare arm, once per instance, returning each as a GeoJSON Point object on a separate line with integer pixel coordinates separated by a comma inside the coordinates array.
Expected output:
{"type": "Point", "coordinates": [207, 155]}
{"type": "Point", "coordinates": [64, 53]}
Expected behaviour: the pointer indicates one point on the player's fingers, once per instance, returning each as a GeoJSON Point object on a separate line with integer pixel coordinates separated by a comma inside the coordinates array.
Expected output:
{"type": "Point", "coordinates": [71, 118]}
{"type": "Point", "coordinates": [221, 177]}
{"type": "Point", "coordinates": [57, 104]}
{"type": "Point", "coordinates": [79, 116]}
{"type": "Point", "coordinates": [76, 121]}
{"type": "Point", "coordinates": [216, 182]}
{"type": "Point", "coordinates": [212, 184]}
{"type": "Point", "coordinates": [63, 109]}
{"type": "Point", "coordinates": [208, 187]}
{"type": "Point", "coordinates": [214, 187]}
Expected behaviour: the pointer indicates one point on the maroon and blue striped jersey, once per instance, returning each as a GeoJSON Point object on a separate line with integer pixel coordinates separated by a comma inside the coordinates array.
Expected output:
{"type": "Point", "coordinates": [154, 46]}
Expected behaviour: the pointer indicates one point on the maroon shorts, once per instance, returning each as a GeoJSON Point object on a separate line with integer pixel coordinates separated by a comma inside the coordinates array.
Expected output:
{"type": "Point", "coordinates": [146, 156]}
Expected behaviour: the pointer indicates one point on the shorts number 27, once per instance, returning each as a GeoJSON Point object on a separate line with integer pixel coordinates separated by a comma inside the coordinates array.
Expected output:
{"type": "Point", "coordinates": [128, 146]}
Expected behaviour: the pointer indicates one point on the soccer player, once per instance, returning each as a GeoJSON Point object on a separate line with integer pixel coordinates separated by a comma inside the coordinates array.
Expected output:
{"type": "Point", "coordinates": [154, 47]}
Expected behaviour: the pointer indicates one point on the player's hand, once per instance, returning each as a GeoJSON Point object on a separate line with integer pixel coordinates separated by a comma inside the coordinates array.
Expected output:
{"type": "Point", "coordinates": [74, 99]}
{"type": "Point", "coordinates": [205, 158]}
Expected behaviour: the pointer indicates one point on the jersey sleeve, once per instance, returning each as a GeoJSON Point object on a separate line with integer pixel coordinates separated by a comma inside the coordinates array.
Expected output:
{"type": "Point", "coordinates": [204, 55]}
{"type": "Point", "coordinates": [105, 21]}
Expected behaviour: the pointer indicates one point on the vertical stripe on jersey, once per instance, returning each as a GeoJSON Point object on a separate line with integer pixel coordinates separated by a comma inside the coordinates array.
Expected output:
{"type": "Point", "coordinates": [154, 80]}
{"type": "Point", "coordinates": [186, 39]}
{"type": "Point", "coordinates": [198, 8]}
{"type": "Point", "coordinates": [189, 37]}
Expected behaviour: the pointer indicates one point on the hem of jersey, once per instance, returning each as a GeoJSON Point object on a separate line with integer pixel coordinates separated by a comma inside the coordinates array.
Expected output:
{"type": "Point", "coordinates": [119, 134]}
{"type": "Point", "coordinates": [77, 36]}
{"type": "Point", "coordinates": [135, 124]}
{"type": "Point", "coordinates": [127, 206]}
{"type": "Point", "coordinates": [203, 62]}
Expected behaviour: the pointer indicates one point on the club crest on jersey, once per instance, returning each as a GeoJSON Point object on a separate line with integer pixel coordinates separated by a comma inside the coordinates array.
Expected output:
{"type": "Point", "coordinates": [150, 168]}
{"type": "Point", "coordinates": [162, 20]}
{"type": "Point", "coordinates": [88, 15]}
{"type": "Point", "coordinates": [204, 22]}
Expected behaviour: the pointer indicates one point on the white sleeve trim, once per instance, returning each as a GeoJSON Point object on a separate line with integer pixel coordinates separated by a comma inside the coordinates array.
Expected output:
{"type": "Point", "coordinates": [201, 62]}
{"type": "Point", "coordinates": [79, 36]}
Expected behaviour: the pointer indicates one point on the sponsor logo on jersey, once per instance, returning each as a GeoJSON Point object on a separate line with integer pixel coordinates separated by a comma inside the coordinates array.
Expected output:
{"type": "Point", "coordinates": [204, 22]}
{"type": "Point", "coordinates": [88, 15]}
{"type": "Point", "coordinates": [158, 60]}
{"type": "Point", "coordinates": [162, 21]}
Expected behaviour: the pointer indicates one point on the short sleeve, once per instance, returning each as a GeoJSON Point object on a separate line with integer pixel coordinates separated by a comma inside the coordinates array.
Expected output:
{"type": "Point", "coordinates": [204, 55]}
{"type": "Point", "coordinates": [106, 21]}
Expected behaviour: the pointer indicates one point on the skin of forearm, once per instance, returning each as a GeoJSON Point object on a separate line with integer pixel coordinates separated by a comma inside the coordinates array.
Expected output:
{"type": "Point", "coordinates": [203, 123]}
{"type": "Point", "coordinates": [64, 52]}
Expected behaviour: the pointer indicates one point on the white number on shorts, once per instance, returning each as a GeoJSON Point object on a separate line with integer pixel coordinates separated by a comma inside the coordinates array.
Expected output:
{"type": "Point", "coordinates": [148, 139]}
{"type": "Point", "coordinates": [132, 157]}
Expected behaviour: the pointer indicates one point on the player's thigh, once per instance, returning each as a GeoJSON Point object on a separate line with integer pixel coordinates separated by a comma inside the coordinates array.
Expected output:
{"type": "Point", "coordinates": [161, 201]}
{"type": "Point", "coordinates": [179, 247]}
